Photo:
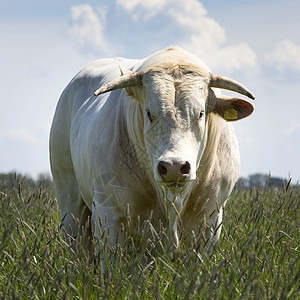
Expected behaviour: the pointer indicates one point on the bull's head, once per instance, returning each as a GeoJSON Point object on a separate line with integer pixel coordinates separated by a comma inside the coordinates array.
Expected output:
{"type": "Point", "coordinates": [177, 100]}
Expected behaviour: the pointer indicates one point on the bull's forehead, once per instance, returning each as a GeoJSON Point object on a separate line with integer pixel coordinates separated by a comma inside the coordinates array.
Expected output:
{"type": "Point", "coordinates": [173, 87]}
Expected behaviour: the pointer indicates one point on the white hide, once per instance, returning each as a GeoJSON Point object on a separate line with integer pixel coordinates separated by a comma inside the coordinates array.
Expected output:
{"type": "Point", "coordinates": [105, 151]}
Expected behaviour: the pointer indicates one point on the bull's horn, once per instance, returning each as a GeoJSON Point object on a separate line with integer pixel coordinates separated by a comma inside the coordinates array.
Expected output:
{"type": "Point", "coordinates": [223, 82]}
{"type": "Point", "coordinates": [127, 80]}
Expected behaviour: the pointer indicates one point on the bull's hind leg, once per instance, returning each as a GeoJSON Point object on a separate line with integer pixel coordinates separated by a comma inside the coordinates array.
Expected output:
{"type": "Point", "coordinates": [75, 214]}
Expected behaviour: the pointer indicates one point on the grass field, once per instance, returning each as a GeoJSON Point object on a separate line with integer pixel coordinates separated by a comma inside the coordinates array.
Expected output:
{"type": "Point", "coordinates": [257, 256]}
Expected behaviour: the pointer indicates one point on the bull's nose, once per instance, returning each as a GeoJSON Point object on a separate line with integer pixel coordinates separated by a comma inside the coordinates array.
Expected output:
{"type": "Point", "coordinates": [173, 170]}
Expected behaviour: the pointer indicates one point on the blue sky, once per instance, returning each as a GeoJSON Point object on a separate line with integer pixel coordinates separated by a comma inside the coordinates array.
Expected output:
{"type": "Point", "coordinates": [45, 43]}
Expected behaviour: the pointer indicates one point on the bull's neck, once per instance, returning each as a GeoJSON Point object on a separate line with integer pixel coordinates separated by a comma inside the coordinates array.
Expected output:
{"type": "Point", "coordinates": [212, 137]}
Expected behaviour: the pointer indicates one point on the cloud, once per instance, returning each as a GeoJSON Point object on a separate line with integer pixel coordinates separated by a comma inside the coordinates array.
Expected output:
{"type": "Point", "coordinates": [145, 7]}
{"type": "Point", "coordinates": [284, 57]}
{"type": "Point", "coordinates": [145, 26]}
{"type": "Point", "coordinates": [195, 31]}
{"type": "Point", "coordinates": [227, 59]}
{"type": "Point", "coordinates": [87, 28]}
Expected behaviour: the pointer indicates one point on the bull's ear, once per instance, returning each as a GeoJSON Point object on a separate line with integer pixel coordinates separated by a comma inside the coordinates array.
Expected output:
{"type": "Point", "coordinates": [233, 109]}
{"type": "Point", "coordinates": [124, 71]}
{"type": "Point", "coordinates": [131, 91]}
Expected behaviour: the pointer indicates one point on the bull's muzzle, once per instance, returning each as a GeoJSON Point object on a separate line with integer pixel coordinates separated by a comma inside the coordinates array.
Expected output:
{"type": "Point", "coordinates": [174, 172]}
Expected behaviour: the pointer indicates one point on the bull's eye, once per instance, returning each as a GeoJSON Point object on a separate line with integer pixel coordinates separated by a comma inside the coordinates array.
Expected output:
{"type": "Point", "coordinates": [150, 117]}
{"type": "Point", "coordinates": [201, 114]}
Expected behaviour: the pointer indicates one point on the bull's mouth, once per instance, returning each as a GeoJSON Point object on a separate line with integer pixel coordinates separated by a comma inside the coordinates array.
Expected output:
{"type": "Point", "coordinates": [175, 184]}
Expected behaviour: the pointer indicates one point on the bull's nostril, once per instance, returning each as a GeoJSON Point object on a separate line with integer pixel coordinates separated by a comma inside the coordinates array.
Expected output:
{"type": "Point", "coordinates": [162, 170]}
{"type": "Point", "coordinates": [185, 169]}
{"type": "Point", "coordinates": [173, 170]}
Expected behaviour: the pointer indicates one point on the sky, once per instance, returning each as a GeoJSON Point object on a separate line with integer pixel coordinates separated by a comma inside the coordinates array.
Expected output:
{"type": "Point", "coordinates": [45, 43]}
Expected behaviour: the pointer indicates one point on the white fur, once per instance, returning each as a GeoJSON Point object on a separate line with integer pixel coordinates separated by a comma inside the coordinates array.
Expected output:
{"type": "Point", "coordinates": [104, 151]}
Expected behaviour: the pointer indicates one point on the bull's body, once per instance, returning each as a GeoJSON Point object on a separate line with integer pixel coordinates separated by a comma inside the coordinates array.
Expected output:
{"type": "Point", "coordinates": [102, 162]}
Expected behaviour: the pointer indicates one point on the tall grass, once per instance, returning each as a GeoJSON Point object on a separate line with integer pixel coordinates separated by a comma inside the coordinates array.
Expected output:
{"type": "Point", "coordinates": [257, 256]}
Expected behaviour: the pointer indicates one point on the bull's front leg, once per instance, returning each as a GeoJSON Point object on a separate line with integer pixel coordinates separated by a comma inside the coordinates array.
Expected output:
{"type": "Point", "coordinates": [107, 223]}
{"type": "Point", "coordinates": [107, 216]}
{"type": "Point", "coordinates": [213, 228]}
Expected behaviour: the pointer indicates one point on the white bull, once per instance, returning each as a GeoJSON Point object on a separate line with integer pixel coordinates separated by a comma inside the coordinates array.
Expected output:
{"type": "Point", "coordinates": [153, 140]}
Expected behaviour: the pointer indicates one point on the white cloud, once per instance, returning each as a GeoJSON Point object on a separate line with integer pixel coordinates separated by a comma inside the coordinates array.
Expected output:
{"type": "Point", "coordinates": [143, 26]}
{"type": "Point", "coordinates": [236, 57]}
{"type": "Point", "coordinates": [150, 6]}
{"type": "Point", "coordinates": [192, 16]}
{"type": "Point", "coordinates": [285, 56]}
{"type": "Point", "coordinates": [229, 59]}
{"type": "Point", "coordinates": [87, 28]}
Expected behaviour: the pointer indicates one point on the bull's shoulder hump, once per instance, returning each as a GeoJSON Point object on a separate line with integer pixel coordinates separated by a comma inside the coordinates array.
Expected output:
{"type": "Point", "coordinates": [102, 67]}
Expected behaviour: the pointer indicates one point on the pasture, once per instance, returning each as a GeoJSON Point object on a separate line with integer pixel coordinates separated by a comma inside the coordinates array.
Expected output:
{"type": "Point", "coordinates": [257, 256]}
